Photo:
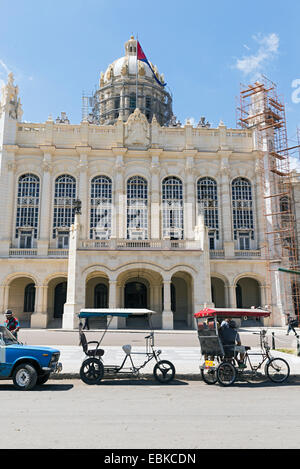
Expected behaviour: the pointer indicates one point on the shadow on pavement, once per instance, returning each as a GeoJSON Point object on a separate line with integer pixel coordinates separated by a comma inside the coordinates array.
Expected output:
{"type": "Point", "coordinates": [293, 380]}
{"type": "Point", "coordinates": [44, 387]}
{"type": "Point", "coordinates": [139, 382]}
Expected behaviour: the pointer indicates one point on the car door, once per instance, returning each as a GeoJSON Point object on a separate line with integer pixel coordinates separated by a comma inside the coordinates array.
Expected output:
{"type": "Point", "coordinates": [3, 364]}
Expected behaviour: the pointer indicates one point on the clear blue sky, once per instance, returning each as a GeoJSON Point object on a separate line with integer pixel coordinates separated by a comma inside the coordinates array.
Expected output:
{"type": "Point", "coordinates": [57, 49]}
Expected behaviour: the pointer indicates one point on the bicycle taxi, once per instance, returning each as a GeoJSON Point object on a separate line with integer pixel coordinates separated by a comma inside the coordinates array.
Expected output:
{"type": "Point", "coordinates": [219, 362]}
{"type": "Point", "coordinates": [93, 369]}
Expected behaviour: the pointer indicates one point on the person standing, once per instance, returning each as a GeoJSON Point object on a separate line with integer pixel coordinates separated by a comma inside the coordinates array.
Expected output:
{"type": "Point", "coordinates": [12, 323]}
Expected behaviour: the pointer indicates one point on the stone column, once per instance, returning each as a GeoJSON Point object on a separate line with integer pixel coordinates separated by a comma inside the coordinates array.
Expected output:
{"type": "Point", "coordinates": [155, 198]}
{"type": "Point", "coordinates": [7, 192]}
{"type": "Point", "coordinates": [39, 319]}
{"type": "Point", "coordinates": [231, 295]}
{"type": "Point", "coordinates": [258, 212]}
{"type": "Point", "coordinates": [119, 211]}
{"type": "Point", "coordinates": [83, 190]}
{"type": "Point", "coordinates": [167, 314]}
{"type": "Point", "coordinates": [225, 204]}
{"type": "Point", "coordinates": [190, 196]}
{"type": "Point", "coordinates": [76, 287]}
{"type": "Point", "coordinates": [45, 204]}
{"type": "Point", "coordinates": [113, 302]}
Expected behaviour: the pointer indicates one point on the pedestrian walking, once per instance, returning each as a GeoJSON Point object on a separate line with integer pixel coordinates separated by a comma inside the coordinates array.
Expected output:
{"type": "Point", "coordinates": [292, 323]}
{"type": "Point", "coordinates": [12, 323]}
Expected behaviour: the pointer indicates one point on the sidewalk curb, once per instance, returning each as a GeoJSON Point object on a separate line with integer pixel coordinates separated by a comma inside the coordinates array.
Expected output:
{"type": "Point", "coordinates": [146, 376]}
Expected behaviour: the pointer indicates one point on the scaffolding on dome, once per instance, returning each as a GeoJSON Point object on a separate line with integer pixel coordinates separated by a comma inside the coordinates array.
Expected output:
{"type": "Point", "coordinates": [261, 108]}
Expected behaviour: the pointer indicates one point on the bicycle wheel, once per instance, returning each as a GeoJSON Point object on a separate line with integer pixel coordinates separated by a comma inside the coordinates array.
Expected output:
{"type": "Point", "coordinates": [91, 371]}
{"type": "Point", "coordinates": [278, 370]}
{"type": "Point", "coordinates": [226, 374]}
{"type": "Point", "coordinates": [209, 375]}
{"type": "Point", "coordinates": [164, 371]}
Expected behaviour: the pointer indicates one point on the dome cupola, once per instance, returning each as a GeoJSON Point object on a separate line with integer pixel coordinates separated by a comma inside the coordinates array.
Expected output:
{"type": "Point", "coordinates": [128, 84]}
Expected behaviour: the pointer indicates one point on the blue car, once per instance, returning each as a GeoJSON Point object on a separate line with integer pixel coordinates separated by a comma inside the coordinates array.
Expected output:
{"type": "Point", "coordinates": [26, 365]}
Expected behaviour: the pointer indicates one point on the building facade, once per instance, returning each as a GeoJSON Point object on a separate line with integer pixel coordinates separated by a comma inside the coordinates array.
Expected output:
{"type": "Point", "coordinates": [170, 218]}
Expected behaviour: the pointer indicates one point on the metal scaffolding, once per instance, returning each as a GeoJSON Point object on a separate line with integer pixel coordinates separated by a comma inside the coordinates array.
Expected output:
{"type": "Point", "coordinates": [260, 108]}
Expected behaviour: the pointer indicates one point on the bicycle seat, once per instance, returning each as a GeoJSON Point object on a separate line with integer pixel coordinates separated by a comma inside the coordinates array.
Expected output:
{"type": "Point", "coordinates": [247, 347]}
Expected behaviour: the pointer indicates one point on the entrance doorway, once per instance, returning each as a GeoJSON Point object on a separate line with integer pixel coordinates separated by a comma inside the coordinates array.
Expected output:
{"type": "Point", "coordinates": [135, 295]}
{"type": "Point", "coordinates": [60, 297]}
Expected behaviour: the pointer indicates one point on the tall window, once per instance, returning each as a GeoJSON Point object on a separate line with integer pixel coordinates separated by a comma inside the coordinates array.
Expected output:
{"type": "Point", "coordinates": [137, 208]}
{"type": "Point", "coordinates": [101, 208]}
{"type": "Point", "coordinates": [63, 215]}
{"type": "Point", "coordinates": [207, 196]}
{"type": "Point", "coordinates": [116, 106]}
{"type": "Point", "coordinates": [27, 209]}
{"type": "Point", "coordinates": [172, 205]}
{"type": "Point", "coordinates": [242, 211]}
{"type": "Point", "coordinates": [285, 210]}
{"type": "Point", "coordinates": [148, 107]}
{"type": "Point", "coordinates": [132, 102]}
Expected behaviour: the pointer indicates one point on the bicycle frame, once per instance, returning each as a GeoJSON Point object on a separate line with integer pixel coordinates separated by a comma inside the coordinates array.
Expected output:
{"type": "Point", "coordinates": [150, 353]}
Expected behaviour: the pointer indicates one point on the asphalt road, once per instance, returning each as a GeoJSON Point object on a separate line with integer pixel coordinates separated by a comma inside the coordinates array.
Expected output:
{"type": "Point", "coordinates": [143, 414]}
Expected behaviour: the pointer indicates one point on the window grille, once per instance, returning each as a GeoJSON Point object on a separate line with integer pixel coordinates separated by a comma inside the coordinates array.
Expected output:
{"type": "Point", "coordinates": [137, 208]}
{"type": "Point", "coordinates": [242, 207]}
{"type": "Point", "coordinates": [101, 208]}
{"type": "Point", "coordinates": [64, 197]}
{"type": "Point", "coordinates": [172, 205]}
{"type": "Point", "coordinates": [28, 203]}
{"type": "Point", "coordinates": [207, 197]}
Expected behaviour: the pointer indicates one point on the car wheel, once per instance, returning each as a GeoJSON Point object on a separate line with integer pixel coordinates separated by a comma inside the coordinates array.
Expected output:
{"type": "Point", "coordinates": [42, 379]}
{"type": "Point", "coordinates": [25, 377]}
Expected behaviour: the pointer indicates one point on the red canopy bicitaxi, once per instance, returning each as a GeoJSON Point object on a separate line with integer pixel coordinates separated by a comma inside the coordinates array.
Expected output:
{"type": "Point", "coordinates": [232, 313]}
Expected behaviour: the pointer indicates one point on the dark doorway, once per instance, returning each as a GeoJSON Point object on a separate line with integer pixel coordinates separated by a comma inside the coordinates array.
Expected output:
{"type": "Point", "coordinates": [60, 296]}
{"type": "Point", "coordinates": [135, 295]}
{"type": "Point", "coordinates": [100, 296]}
{"type": "Point", "coordinates": [29, 298]}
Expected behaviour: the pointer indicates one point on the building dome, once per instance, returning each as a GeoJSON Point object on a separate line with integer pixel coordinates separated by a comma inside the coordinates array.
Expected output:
{"type": "Point", "coordinates": [127, 65]}
{"type": "Point", "coordinates": [128, 84]}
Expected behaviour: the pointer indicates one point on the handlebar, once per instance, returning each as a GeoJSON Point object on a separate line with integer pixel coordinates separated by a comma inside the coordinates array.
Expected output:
{"type": "Point", "coordinates": [149, 336]}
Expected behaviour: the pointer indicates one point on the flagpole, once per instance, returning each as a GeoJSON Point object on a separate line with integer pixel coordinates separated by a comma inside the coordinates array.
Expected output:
{"type": "Point", "coordinates": [136, 74]}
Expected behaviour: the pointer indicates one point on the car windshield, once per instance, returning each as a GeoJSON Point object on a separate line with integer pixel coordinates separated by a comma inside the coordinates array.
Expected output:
{"type": "Point", "coordinates": [6, 336]}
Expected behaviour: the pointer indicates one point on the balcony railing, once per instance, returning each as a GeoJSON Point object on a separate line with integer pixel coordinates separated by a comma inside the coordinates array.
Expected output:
{"type": "Point", "coordinates": [249, 253]}
{"type": "Point", "coordinates": [142, 245]}
{"type": "Point", "coordinates": [13, 252]}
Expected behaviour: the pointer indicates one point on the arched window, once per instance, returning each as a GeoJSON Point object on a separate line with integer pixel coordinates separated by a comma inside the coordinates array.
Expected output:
{"type": "Point", "coordinates": [207, 197]}
{"type": "Point", "coordinates": [137, 208]}
{"type": "Point", "coordinates": [172, 201]}
{"type": "Point", "coordinates": [29, 298]}
{"type": "Point", "coordinates": [101, 208]}
{"type": "Point", "coordinates": [27, 209]}
{"type": "Point", "coordinates": [63, 214]}
{"type": "Point", "coordinates": [242, 212]}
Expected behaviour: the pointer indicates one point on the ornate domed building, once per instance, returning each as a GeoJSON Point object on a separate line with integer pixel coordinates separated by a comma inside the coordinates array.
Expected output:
{"type": "Point", "coordinates": [128, 84]}
{"type": "Point", "coordinates": [170, 217]}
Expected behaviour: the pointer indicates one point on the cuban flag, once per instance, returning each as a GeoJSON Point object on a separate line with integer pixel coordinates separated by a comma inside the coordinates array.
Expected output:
{"type": "Point", "coordinates": [141, 56]}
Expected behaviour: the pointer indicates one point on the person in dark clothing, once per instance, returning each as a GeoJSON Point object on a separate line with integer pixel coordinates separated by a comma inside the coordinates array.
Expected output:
{"type": "Point", "coordinates": [292, 323]}
{"type": "Point", "coordinates": [12, 323]}
{"type": "Point", "coordinates": [230, 338]}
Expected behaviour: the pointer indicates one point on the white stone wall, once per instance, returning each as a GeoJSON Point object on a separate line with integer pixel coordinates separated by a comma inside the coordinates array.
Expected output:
{"type": "Point", "coordinates": [121, 151]}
